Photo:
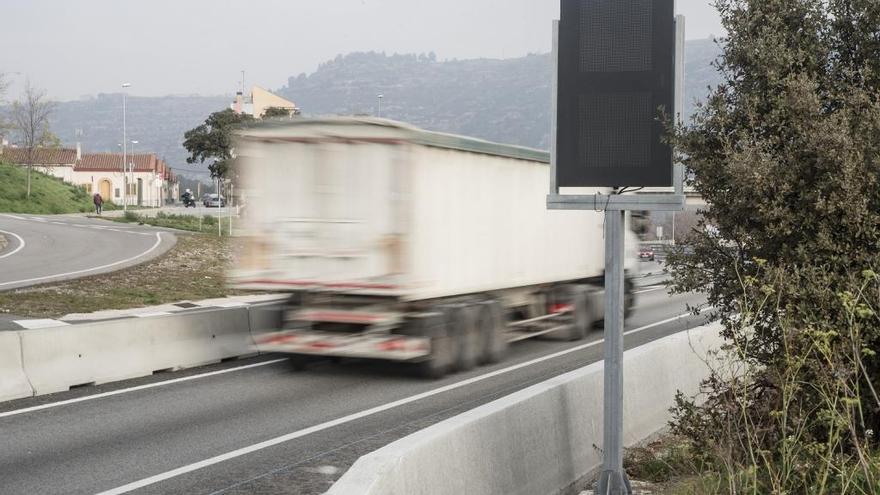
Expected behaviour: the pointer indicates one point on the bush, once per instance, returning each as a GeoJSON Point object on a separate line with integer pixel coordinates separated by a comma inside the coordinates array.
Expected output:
{"type": "Point", "coordinates": [131, 216]}
{"type": "Point", "coordinates": [786, 152]}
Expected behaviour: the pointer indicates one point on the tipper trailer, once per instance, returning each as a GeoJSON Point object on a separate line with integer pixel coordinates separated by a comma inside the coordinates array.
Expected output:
{"type": "Point", "coordinates": [401, 244]}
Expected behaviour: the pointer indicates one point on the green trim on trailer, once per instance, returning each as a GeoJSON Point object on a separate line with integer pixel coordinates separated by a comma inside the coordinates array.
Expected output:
{"type": "Point", "coordinates": [414, 135]}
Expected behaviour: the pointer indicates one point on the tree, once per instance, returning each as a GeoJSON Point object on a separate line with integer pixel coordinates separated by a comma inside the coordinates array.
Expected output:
{"type": "Point", "coordinates": [30, 117]}
{"type": "Point", "coordinates": [213, 140]}
{"type": "Point", "coordinates": [786, 152]}
{"type": "Point", "coordinates": [276, 112]}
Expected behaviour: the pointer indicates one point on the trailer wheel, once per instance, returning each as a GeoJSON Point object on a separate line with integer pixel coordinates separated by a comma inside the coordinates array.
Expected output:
{"type": "Point", "coordinates": [438, 363]}
{"type": "Point", "coordinates": [582, 315]}
{"type": "Point", "coordinates": [629, 297]}
{"type": "Point", "coordinates": [490, 327]}
{"type": "Point", "coordinates": [460, 321]}
{"type": "Point", "coordinates": [299, 362]}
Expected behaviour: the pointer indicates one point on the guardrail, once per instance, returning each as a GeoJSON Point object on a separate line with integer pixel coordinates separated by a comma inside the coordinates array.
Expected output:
{"type": "Point", "coordinates": [47, 360]}
{"type": "Point", "coordinates": [540, 440]}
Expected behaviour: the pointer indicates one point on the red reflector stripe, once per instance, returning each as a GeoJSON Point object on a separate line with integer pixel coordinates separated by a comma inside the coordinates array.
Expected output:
{"type": "Point", "coordinates": [560, 308]}
{"type": "Point", "coordinates": [392, 345]}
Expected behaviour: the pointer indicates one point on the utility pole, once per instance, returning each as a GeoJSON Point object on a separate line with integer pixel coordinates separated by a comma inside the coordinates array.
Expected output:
{"type": "Point", "coordinates": [124, 149]}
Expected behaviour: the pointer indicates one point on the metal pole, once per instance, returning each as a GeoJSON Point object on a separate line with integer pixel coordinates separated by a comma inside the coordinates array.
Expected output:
{"type": "Point", "coordinates": [124, 162]}
{"type": "Point", "coordinates": [219, 210]}
{"type": "Point", "coordinates": [613, 479]}
{"type": "Point", "coordinates": [380, 105]}
{"type": "Point", "coordinates": [554, 91]}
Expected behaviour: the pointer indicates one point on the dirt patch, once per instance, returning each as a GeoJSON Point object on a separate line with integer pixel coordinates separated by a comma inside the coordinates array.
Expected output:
{"type": "Point", "coordinates": [193, 269]}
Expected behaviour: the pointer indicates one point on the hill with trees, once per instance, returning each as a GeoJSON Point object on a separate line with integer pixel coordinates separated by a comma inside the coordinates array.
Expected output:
{"type": "Point", "coordinates": [500, 100]}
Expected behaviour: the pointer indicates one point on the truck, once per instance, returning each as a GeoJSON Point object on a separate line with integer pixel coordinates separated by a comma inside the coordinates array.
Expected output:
{"type": "Point", "coordinates": [401, 244]}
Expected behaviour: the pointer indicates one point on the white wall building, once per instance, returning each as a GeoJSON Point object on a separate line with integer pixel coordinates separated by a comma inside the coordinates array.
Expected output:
{"type": "Point", "coordinates": [150, 181]}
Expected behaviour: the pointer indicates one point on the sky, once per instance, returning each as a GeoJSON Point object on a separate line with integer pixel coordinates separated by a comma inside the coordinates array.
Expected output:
{"type": "Point", "coordinates": [78, 48]}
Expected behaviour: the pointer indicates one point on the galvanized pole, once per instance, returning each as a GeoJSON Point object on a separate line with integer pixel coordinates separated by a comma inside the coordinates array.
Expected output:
{"type": "Point", "coordinates": [613, 480]}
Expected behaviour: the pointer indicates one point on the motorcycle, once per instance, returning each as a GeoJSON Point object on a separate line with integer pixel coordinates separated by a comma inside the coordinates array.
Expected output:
{"type": "Point", "coordinates": [189, 201]}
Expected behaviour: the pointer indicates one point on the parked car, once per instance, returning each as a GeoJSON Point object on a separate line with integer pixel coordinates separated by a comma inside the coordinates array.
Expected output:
{"type": "Point", "coordinates": [215, 201]}
{"type": "Point", "coordinates": [646, 253]}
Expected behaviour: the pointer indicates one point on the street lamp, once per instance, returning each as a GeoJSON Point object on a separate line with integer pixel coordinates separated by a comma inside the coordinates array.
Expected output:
{"type": "Point", "coordinates": [380, 105]}
{"type": "Point", "coordinates": [124, 141]}
{"type": "Point", "coordinates": [131, 166]}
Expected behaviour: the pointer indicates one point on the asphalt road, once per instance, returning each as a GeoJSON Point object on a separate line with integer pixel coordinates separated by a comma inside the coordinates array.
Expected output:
{"type": "Point", "coordinates": [44, 249]}
{"type": "Point", "coordinates": [258, 427]}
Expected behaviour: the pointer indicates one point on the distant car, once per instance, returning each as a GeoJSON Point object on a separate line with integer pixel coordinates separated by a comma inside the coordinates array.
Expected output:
{"type": "Point", "coordinates": [646, 253]}
{"type": "Point", "coordinates": [214, 201]}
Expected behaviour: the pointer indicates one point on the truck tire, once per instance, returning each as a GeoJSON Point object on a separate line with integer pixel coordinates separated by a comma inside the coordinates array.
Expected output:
{"type": "Point", "coordinates": [460, 322]}
{"type": "Point", "coordinates": [299, 362]}
{"type": "Point", "coordinates": [582, 314]}
{"type": "Point", "coordinates": [491, 325]}
{"type": "Point", "coordinates": [629, 297]}
{"type": "Point", "coordinates": [439, 362]}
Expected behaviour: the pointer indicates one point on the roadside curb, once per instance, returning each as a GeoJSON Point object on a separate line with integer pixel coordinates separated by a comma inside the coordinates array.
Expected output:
{"type": "Point", "coordinates": [542, 439]}
{"type": "Point", "coordinates": [56, 356]}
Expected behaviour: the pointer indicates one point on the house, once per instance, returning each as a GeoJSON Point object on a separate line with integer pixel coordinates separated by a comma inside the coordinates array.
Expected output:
{"type": "Point", "coordinates": [148, 178]}
{"type": "Point", "coordinates": [58, 162]}
{"type": "Point", "coordinates": [260, 101]}
{"type": "Point", "coordinates": [150, 181]}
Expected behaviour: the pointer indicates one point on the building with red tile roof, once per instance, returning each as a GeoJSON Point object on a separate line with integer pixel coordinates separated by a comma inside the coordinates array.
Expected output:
{"type": "Point", "coordinates": [148, 179]}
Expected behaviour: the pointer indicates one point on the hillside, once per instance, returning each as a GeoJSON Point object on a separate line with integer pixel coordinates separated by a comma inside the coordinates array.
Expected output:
{"type": "Point", "coordinates": [48, 194]}
{"type": "Point", "coordinates": [500, 100]}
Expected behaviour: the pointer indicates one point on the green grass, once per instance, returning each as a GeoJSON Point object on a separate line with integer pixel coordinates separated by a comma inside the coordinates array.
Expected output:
{"type": "Point", "coordinates": [49, 195]}
{"type": "Point", "coordinates": [206, 224]}
{"type": "Point", "coordinates": [193, 269]}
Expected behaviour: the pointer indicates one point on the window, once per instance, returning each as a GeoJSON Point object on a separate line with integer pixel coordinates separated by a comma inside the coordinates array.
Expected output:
{"type": "Point", "coordinates": [117, 193]}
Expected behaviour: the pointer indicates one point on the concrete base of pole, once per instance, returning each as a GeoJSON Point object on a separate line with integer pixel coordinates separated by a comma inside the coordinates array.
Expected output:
{"type": "Point", "coordinates": [613, 483]}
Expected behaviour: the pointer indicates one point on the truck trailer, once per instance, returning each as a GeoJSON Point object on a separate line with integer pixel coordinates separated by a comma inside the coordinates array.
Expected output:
{"type": "Point", "coordinates": [401, 244]}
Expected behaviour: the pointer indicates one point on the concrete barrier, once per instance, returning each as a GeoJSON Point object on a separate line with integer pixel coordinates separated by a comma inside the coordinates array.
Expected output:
{"type": "Point", "coordinates": [14, 383]}
{"type": "Point", "coordinates": [56, 359]}
{"type": "Point", "coordinates": [540, 440]}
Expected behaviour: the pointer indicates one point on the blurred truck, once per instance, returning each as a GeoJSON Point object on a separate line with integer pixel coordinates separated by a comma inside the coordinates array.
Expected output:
{"type": "Point", "coordinates": [400, 244]}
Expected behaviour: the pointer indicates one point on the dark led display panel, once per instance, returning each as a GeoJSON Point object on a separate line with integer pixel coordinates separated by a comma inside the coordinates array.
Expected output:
{"type": "Point", "coordinates": [616, 80]}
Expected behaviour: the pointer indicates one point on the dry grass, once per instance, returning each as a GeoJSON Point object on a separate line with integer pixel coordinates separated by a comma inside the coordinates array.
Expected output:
{"type": "Point", "coordinates": [193, 269]}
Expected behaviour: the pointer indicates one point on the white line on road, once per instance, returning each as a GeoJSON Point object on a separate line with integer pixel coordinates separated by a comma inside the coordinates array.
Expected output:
{"type": "Point", "coordinates": [96, 268]}
{"type": "Point", "coordinates": [21, 243]}
{"type": "Point", "coordinates": [134, 389]}
{"type": "Point", "coordinates": [352, 417]}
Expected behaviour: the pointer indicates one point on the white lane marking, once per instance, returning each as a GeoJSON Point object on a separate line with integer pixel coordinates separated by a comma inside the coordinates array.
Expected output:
{"type": "Point", "coordinates": [352, 417]}
{"type": "Point", "coordinates": [21, 243]}
{"type": "Point", "coordinates": [649, 289]}
{"type": "Point", "coordinates": [43, 323]}
{"type": "Point", "coordinates": [134, 389]}
{"type": "Point", "coordinates": [95, 268]}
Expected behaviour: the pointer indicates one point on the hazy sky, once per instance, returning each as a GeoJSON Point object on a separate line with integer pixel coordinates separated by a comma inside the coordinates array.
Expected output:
{"type": "Point", "coordinates": [73, 48]}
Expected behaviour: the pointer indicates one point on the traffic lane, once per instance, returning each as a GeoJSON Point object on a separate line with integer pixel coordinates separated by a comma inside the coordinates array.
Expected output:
{"type": "Point", "coordinates": [309, 465]}
{"type": "Point", "coordinates": [112, 441]}
{"type": "Point", "coordinates": [58, 248]}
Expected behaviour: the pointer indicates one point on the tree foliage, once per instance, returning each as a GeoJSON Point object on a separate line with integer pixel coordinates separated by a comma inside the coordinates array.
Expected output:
{"type": "Point", "coordinates": [30, 118]}
{"type": "Point", "coordinates": [786, 151]}
{"type": "Point", "coordinates": [279, 112]}
{"type": "Point", "coordinates": [212, 140]}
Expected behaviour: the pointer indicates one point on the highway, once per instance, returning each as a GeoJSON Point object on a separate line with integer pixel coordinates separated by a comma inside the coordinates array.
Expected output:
{"type": "Point", "coordinates": [43, 249]}
{"type": "Point", "coordinates": [256, 426]}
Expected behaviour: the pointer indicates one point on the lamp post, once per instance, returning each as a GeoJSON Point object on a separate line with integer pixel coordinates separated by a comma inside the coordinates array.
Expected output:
{"type": "Point", "coordinates": [380, 105]}
{"type": "Point", "coordinates": [131, 167]}
{"type": "Point", "coordinates": [124, 141]}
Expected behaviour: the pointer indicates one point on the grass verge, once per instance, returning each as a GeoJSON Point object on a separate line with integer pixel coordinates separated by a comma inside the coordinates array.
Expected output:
{"type": "Point", "coordinates": [206, 224]}
{"type": "Point", "coordinates": [49, 195]}
{"type": "Point", "coordinates": [192, 270]}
